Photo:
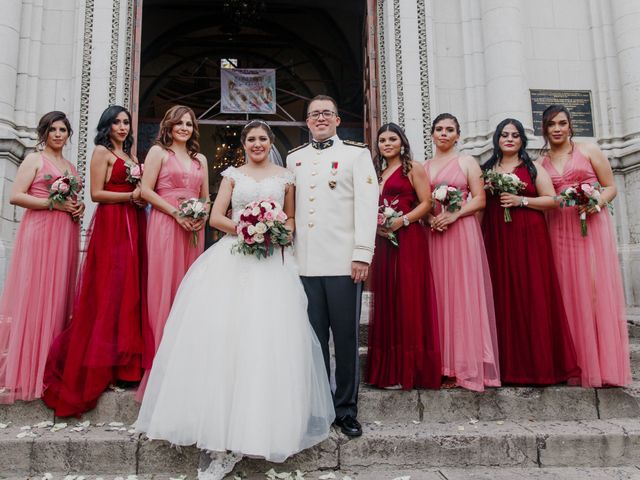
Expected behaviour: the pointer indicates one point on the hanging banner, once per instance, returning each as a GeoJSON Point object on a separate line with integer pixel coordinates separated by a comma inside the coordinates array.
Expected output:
{"type": "Point", "coordinates": [248, 91]}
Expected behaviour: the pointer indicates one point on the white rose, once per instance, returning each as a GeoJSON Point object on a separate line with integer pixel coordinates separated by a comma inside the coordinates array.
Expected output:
{"type": "Point", "coordinates": [251, 229]}
{"type": "Point", "coordinates": [258, 238]}
{"type": "Point", "coordinates": [261, 228]}
{"type": "Point", "coordinates": [388, 212]}
{"type": "Point", "coordinates": [266, 205]}
{"type": "Point", "coordinates": [255, 211]}
{"type": "Point", "coordinates": [198, 207]}
{"type": "Point", "coordinates": [440, 193]}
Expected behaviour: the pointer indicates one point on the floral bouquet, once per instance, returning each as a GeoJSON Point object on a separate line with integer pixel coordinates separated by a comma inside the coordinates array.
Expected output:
{"type": "Point", "coordinates": [386, 216]}
{"type": "Point", "coordinates": [63, 187]}
{"type": "Point", "coordinates": [261, 228]}
{"type": "Point", "coordinates": [583, 195]}
{"type": "Point", "coordinates": [195, 208]}
{"type": "Point", "coordinates": [450, 198]}
{"type": "Point", "coordinates": [498, 183]}
{"type": "Point", "coordinates": [134, 172]}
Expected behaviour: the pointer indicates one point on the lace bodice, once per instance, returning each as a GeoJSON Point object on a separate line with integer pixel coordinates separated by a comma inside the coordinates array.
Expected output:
{"type": "Point", "coordinates": [247, 189]}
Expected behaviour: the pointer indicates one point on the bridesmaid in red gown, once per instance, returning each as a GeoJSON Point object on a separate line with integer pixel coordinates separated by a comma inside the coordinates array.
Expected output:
{"type": "Point", "coordinates": [45, 258]}
{"type": "Point", "coordinates": [404, 349]}
{"type": "Point", "coordinates": [533, 332]}
{"type": "Point", "coordinates": [104, 343]}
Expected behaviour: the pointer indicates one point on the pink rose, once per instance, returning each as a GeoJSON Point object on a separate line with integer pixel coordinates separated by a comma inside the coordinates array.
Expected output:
{"type": "Point", "coordinates": [380, 219]}
{"type": "Point", "coordinates": [63, 187]}
{"type": "Point", "coordinates": [269, 217]}
{"type": "Point", "coordinates": [281, 217]}
{"type": "Point", "coordinates": [587, 189]}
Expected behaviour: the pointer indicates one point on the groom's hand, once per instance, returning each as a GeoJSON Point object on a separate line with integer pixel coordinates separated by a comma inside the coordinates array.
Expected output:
{"type": "Point", "coordinates": [359, 271]}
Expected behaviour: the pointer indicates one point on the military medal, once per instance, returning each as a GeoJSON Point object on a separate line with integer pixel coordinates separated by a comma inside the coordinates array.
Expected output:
{"type": "Point", "coordinates": [334, 172]}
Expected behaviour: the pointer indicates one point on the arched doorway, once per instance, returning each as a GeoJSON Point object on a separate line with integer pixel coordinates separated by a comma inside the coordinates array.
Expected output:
{"type": "Point", "coordinates": [314, 49]}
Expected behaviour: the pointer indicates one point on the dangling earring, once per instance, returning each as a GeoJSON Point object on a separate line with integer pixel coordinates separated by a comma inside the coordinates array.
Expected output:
{"type": "Point", "coordinates": [402, 150]}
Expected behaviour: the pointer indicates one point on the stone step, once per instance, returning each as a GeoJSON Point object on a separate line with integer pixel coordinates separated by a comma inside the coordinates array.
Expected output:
{"type": "Point", "coordinates": [527, 444]}
{"type": "Point", "coordinates": [479, 473]}
{"type": "Point", "coordinates": [446, 405]}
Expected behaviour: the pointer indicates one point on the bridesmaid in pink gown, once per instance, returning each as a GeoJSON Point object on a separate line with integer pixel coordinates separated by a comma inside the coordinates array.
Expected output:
{"type": "Point", "coordinates": [44, 261]}
{"type": "Point", "coordinates": [588, 269]}
{"type": "Point", "coordinates": [404, 346]}
{"type": "Point", "coordinates": [174, 172]}
{"type": "Point", "coordinates": [468, 337]}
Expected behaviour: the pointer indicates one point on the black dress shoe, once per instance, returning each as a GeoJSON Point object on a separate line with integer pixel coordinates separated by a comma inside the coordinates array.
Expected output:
{"type": "Point", "coordinates": [349, 426]}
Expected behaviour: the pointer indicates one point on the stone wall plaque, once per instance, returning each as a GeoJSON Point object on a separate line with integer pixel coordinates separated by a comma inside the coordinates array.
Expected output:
{"type": "Point", "coordinates": [578, 102]}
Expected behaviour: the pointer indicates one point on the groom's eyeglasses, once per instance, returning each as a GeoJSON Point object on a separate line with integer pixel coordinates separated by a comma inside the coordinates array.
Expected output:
{"type": "Point", "coordinates": [325, 114]}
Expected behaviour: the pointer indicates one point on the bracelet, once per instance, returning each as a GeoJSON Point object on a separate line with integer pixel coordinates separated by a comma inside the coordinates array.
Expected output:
{"type": "Point", "coordinates": [131, 197]}
{"type": "Point", "coordinates": [405, 220]}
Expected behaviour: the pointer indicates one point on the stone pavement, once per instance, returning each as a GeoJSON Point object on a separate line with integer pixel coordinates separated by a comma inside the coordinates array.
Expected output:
{"type": "Point", "coordinates": [504, 433]}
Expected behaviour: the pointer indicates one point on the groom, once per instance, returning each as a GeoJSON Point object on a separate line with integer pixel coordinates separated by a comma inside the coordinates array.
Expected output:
{"type": "Point", "coordinates": [336, 214]}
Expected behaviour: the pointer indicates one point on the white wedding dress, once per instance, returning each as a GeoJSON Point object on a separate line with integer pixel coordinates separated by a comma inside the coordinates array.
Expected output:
{"type": "Point", "coordinates": [239, 367]}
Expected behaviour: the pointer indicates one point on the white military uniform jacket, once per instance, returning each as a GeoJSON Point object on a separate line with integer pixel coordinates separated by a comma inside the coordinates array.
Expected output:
{"type": "Point", "coordinates": [336, 207]}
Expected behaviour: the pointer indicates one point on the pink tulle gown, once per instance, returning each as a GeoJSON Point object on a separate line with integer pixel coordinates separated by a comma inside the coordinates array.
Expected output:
{"type": "Point", "coordinates": [590, 281]}
{"type": "Point", "coordinates": [38, 292]}
{"type": "Point", "coordinates": [170, 248]}
{"type": "Point", "coordinates": [468, 338]}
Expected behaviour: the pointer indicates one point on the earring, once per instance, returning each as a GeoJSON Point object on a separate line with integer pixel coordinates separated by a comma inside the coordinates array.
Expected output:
{"type": "Point", "coordinates": [401, 150]}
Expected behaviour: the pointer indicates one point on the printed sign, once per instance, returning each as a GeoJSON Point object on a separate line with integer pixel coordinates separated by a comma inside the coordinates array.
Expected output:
{"type": "Point", "coordinates": [248, 91]}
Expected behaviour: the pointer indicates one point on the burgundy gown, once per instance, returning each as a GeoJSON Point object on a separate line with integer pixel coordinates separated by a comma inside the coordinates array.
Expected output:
{"type": "Point", "coordinates": [104, 342]}
{"type": "Point", "coordinates": [534, 339]}
{"type": "Point", "coordinates": [404, 346]}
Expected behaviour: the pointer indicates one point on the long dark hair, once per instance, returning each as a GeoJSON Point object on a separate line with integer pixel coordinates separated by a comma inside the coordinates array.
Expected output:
{"type": "Point", "coordinates": [103, 135]}
{"type": "Point", "coordinates": [549, 113]}
{"type": "Point", "coordinates": [496, 156]}
{"type": "Point", "coordinates": [171, 118]}
{"type": "Point", "coordinates": [380, 163]}
{"type": "Point", "coordinates": [44, 125]}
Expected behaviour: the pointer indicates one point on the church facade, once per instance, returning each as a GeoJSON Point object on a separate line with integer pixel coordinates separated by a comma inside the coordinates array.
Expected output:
{"type": "Point", "coordinates": [482, 60]}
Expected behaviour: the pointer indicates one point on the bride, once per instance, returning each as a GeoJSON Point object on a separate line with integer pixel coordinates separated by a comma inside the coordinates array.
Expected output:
{"type": "Point", "coordinates": [239, 368]}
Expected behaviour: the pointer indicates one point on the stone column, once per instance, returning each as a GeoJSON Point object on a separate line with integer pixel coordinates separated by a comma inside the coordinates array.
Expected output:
{"type": "Point", "coordinates": [507, 90]}
{"type": "Point", "coordinates": [11, 148]}
{"type": "Point", "coordinates": [626, 32]}
{"type": "Point", "coordinates": [626, 23]}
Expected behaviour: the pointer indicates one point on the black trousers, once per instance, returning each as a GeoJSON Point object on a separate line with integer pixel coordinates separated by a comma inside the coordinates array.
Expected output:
{"type": "Point", "coordinates": [334, 304]}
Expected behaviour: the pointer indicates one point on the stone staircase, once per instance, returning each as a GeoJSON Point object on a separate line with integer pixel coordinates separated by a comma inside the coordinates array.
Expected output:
{"type": "Point", "coordinates": [504, 433]}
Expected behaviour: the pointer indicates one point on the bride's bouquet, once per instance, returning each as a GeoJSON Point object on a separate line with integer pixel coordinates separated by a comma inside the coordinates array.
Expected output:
{"type": "Point", "coordinates": [583, 195]}
{"type": "Point", "coordinates": [449, 197]}
{"type": "Point", "coordinates": [195, 208]}
{"type": "Point", "coordinates": [497, 183]}
{"type": "Point", "coordinates": [262, 228]}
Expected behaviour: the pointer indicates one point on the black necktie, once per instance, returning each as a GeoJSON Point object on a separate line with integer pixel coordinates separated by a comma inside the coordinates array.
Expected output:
{"type": "Point", "coordinates": [322, 145]}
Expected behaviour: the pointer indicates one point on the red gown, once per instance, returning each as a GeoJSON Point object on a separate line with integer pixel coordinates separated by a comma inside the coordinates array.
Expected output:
{"type": "Point", "coordinates": [404, 346]}
{"type": "Point", "coordinates": [533, 332]}
{"type": "Point", "coordinates": [104, 342]}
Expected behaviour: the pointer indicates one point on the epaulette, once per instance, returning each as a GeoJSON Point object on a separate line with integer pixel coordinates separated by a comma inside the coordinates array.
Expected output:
{"type": "Point", "coordinates": [355, 144]}
{"type": "Point", "coordinates": [298, 148]}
